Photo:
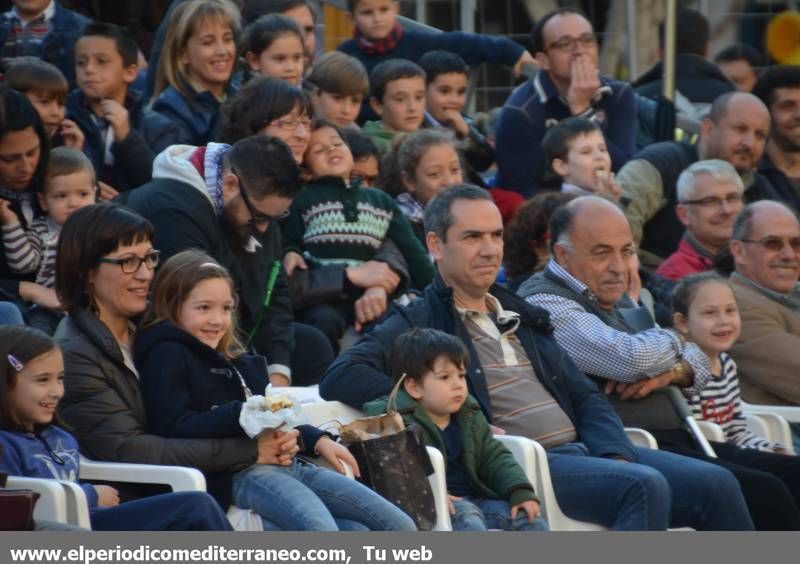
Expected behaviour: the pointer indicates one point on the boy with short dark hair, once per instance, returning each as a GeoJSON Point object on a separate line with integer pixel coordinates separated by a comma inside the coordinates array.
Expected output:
{"type": "Point", "coordinates": [487, 488]}
{"type": "Point", "coordinates": [46, 88]}
{"type": "Point", "coordinates": [378, 37]}
{"type": "Point", "coordinates": [575, 151]}
{"type": "Point", "coordinates": [43, 29]}
{"type": "Point", "coordinates": [397, 96]}
{"type": "Point", "coordinates": [340, 84]}
{"type": "Point", "coordinates": [122, 136]}
{"type": "Point", "coordinates": [366, 158]}
{"type": "Point", "coordinates": [447, 78]}
{"type": "Point", "coordinates": [741, 64]}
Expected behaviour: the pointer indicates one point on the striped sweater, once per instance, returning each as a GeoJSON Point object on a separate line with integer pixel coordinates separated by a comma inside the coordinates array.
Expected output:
{"type": "Point", "coordinates": [332, 223]}
{"type": "Point", "coordinates": [33, 250]}
{"type": "Point", "coordinates": [720, 402]}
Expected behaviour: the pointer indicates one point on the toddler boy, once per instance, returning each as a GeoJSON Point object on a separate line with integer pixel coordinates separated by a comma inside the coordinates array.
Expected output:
{"type": "Point", "coordinates": [487, 488]}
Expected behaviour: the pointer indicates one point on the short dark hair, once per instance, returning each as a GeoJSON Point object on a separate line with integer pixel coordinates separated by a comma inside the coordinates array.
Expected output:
{"type": "Point", "coordinates": [557, 139]}
{"type": "Point", "coordinates": [266, 165]}
{"type": "Point", "coordinates": [537, 33]}
{"type": "Point", "coordinates": [438, 213]}
{"type": "Point", "coordinates": [31, 74]}
{"type": "Point", "coordinates": [124, 41]}
{"type": "Point", "coordinates": [416, 351]}
{"type": "Point", "coordinates": [260, 101]}
{"type": "Point", "coordinates": [393, 69]}
{"type": "Point", "coordinates": [253, 9]}
{"type": "Point", "coordinates": [740, 52]}
{"type": "Point", "coordinates": [23, 344]}
{"type": "Point", "coordinates": [89, 234]}
{"type": "Point", "coordinates": [686, 289]}
{"type": "Point", "coordinates": [439, 62]}
{"type": "Point", "coordinates": [360, 144]}
{"type": "Point", "coordinates": [259, 35]}
{"type": "Point", "coordinates": [692, 32]}
{"type": "Point", "coordinates": [19, 114]}
{"type": "Point", "coordinates": [531, 224]}
{"type": "Point", "coordinates": [774, 77]}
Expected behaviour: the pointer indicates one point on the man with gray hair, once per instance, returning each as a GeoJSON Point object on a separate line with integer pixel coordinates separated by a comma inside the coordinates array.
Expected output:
{"type": "Point", "coordinates": [710, 196]}
{"type": "Point", "coordinates": [766, 254]}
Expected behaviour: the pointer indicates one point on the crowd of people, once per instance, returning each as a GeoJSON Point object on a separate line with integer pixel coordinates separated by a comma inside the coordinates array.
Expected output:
{"type": "Point", "coordinates": [183, 229]}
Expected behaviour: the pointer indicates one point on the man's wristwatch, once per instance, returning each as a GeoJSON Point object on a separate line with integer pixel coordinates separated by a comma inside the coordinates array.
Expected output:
{"type": "Point", "coordinates": [680, 373]}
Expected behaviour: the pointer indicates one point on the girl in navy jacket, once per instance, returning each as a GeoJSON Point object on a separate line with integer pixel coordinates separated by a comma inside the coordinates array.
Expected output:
{"type": "Point", "coordinates": [195, 377]}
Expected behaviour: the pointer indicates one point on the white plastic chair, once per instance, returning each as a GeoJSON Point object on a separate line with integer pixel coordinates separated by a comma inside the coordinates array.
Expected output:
{"type": "Point", "coordinates": [52, 503]}
{"type": "Point", "coordinates": [772, 422]}
{"type": "Point", "coordinates": [641, 438]}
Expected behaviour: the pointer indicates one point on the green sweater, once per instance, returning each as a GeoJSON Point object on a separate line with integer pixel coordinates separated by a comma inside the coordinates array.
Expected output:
{"type": "Point", "coordinates": [491, 470]}
{"type": "Point", "coordinates": [333, 223]}
{"type": "Point", "coordinates": [380, 136]}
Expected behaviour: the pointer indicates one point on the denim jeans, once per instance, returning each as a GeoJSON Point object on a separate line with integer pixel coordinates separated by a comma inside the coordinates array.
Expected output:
{"type": "Point", "coordinates": [475, 514]}
{"type": "Point", "coordinates": [10, 314]}
{"type": "Point", "coordinates": [661, 490]}
{"type": "Point", "coordinates": [305, 497]}
{"type": "Point", "coordinates": [177, 511]}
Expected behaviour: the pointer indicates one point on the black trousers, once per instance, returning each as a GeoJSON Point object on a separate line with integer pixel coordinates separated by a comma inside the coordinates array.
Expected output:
{"type": "Point", "coordinates": [770, 482]}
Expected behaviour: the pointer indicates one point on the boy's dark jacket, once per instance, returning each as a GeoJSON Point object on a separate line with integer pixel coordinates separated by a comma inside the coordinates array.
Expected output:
{"type": "Point", "coordinates": [491, 471]}
{"type": "Point", "coordinates": [150, 133]}
{"type": "Point", "coordinates": [360, 374]}
{"type": "Point", "coordinates": [192, 391]}
{"type": "Point", "coordinates": [58, 46]}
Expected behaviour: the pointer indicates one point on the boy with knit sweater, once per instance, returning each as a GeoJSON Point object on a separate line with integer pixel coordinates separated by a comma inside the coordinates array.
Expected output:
{"type": "Point", "coordinates": [487, 488]}
{"type": "Point", "coordinates": [333, 222]}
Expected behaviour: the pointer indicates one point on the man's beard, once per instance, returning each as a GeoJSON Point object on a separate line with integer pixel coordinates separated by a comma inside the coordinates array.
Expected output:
{"type": "Point", "coordinates": [237, 235]}
{"type": "Point", "coordinates": [784, 143]}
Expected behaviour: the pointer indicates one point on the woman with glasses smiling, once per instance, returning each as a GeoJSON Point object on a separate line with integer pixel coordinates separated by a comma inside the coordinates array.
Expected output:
{"type": "Point", "coordinates": [106, 262]}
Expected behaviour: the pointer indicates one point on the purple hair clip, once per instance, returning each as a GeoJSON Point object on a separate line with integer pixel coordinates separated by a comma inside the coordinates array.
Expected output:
{"type": "Point", "coordinates": [15, 363]}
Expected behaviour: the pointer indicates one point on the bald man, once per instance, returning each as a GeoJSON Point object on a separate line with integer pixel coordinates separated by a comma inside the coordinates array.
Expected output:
{"type": "Point", "coordinates": [583, 287]}
{"type": "Point", "coordinates": [735, 130]}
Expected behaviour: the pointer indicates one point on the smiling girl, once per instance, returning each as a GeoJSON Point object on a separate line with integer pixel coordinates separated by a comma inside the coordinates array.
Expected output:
{"type": "Point", "coordinates": [273, 46]}
{"type": "Point", "coordinates": [196, 65]}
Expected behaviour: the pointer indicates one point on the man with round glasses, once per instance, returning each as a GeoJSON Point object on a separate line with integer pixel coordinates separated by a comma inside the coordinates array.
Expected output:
{"type": "Point", "coordinates": [710, 196]}
{"type": "Point", "coordinates": [568, 84]}
{"type": "Point", "coordinates": [766, 252]}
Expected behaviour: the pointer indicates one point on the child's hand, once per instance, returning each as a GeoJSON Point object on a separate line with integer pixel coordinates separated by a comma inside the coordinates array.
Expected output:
{"type": "Point", "coordinates": [454, 120]}
{"type": "Point", "coordinates": [72, 135]}
{"type": "Point", "coordinates": [370, 306]}
{"type": "Point", "coordinates": [450, 507]}
{"type": "Point", "coordinates": [607, 186]}
{"type": "Point", "coordinates": [337, 455]}
{"type": "Point", "coordinates": [107, 496]}
{"type": "Point", "coordinates": [530, 507]}
{"type": "Point", "coordinates": [7, 215]}
{"type": "Point", "coordinates": [106, 193]}
{"type": "Point", "coordinates": [277, 447]}
{"type": "Point", "coordinates": [40, 295]}
{"type": "Point", "coordinates": [116, 114]}
{"type": "Point", "coordinates": [292, 260]}
{"type": "Point", "coordinates": [525, 59]}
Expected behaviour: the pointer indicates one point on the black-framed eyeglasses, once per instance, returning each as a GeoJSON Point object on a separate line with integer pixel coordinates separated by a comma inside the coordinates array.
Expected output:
{"type": "Point", "coordinates": [132, 263]}
{"type": "Point", "coordinates": [567, 44]}
{"type": "Point", "coordinates": [256, 217]}
{"type": "Point", "coordinates": [775, 244]}
{"type": "Point", "coordinates": [715, 201]}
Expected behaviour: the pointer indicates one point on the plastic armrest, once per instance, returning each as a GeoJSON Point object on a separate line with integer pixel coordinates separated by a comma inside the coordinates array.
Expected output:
{"type": "Point", "coordinates": [77, 506]}
{"type": "Point", "coordinates": [712, 431]}
{"type": "Point", "coordinates": [52, 503]}
{"type": "Point", "coordinates": [179, 478]}
{"type": "Point", "coordinates": [789, 412]}
{"type": "Point", "coordinates": [772, 427]}
{"type": "Point", "coordinates": [438, 483]}
{"type": "Point", "coordinates": [641, 438]}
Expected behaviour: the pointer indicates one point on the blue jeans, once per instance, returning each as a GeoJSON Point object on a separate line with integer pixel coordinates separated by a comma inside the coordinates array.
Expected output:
{"type": "Point", "coordinates": [10, 314]}
{"type": "Point", "coordinates": [305, 497]}
{"type": "Point", "coordinates": [178, 511]}
{"type": "Point", "coordinates": [661, 490]}
{"type": "Point", "coordinates": [475, 514]}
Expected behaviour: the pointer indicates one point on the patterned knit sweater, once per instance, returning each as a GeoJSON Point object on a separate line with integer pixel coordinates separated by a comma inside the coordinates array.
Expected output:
{"type": "Point", "coordinates": [33, 250]}
{"type": "Point", "coordinates": [332, 223]}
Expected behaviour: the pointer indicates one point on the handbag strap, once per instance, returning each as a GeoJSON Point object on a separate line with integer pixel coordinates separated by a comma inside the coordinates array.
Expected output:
{"type": "Point", "coordinates": [391, 405]}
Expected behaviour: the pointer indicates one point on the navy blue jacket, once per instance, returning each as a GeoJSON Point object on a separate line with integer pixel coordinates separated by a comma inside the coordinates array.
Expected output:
{"type": "Point", "coordinates": [150, 134]}
{"type": "Point", "coordinates": [360, 374]}
{"type": "Point", "coordinates": [192, 391]}
{"type": "Point", "coordinates": [58, 47]}
{"type": "Point", "coordinates": [197, 118]}
{"type": "Point", "coordinates": [533, 107]}
{"type": "Point", "coordinates": [474, 48]}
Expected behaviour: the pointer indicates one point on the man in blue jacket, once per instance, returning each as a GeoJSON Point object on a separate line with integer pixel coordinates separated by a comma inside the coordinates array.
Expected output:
{"type": "Point", "coordinates": [527, 385]}
{"type": "Point", "coordinates": [568, 84]}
